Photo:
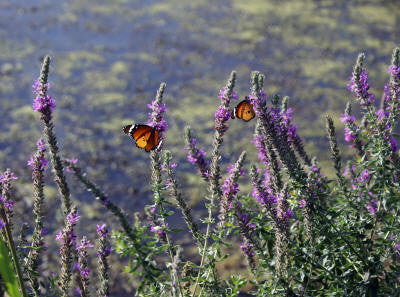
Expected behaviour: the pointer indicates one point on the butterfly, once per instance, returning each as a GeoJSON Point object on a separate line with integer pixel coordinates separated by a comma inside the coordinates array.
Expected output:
{"type": "Point", "coordinates": [244, 110]}
{"type": "Point", "coordinates": [146, 137]}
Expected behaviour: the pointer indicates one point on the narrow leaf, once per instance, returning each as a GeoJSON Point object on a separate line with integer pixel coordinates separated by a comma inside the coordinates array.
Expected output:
{"type": "Point", "coordinates": [7, 272]}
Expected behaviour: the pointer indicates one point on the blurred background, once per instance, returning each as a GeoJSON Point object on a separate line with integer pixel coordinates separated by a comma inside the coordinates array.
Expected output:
{"type": "Point", "coordinates": [110, 56]}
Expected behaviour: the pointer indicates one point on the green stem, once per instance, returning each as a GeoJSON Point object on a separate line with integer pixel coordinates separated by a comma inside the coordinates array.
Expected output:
{"type": "Point", "coordinates": [204, 246]}
{"type": "Point", "coordinates": [11, 246]}
{"type": "Point", "coordinates": [171, 255]}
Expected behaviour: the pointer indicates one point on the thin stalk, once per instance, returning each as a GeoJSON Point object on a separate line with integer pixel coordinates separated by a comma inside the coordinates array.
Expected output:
{"type": "Point", "coordinates": [204, 248]}
{"type": "Point", "coordinates": [115, 210]}
{"type": "Point", "coordinates": [215, 189]}
{"type": "Point", "coordinates": [172, 259]}
{"type": "Point", "coordinates": [156, 176]}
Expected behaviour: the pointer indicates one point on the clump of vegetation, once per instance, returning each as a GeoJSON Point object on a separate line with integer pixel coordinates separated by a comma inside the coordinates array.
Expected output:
{"type": "Point", "coordinates": [301, 234]}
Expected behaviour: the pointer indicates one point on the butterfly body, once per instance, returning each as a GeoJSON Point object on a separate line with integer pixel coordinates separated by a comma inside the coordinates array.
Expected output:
{"type": "Point", "coordinates": [146, 137]}
{"type": "Point", "coordinates": [244, 110]}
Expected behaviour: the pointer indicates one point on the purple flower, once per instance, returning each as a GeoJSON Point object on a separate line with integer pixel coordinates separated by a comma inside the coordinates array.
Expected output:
{"type": "Point", "coordinates": [41, 145]}
{"type": "Point", "coordinates": [7, 176]}
{"type": "Point", "coordinates": [364, 176]}
{"type": "Point", "coordinates": [59, 236]}
{"type": "Point", "coordinates": [223, 113]}
{"type": "Point", "coordinates": [264, 198]}
{"type": "Point", "coordinates": [83, 245]}
{"type": "Point", "coordinates": [287, 116]}
{"type": "Point", "coordinates": [221, 94]}
{"type": "Point", "coordinates": [398, 247]}
{"type": "Point", "coordinates": [78, 291]}
{"type": "Point", "coordinates": [347, 119]}
{"type": "Point", "coordinates": [42, 104]}
{"type": "Point", "coordinates": [350, 130]}
{"type": "Point", "coordinates": [105, 252]}
{"type": "Point", "coordinates": [67, 236]}
{"type": "Point", "coordinates": [372, 206]}
{"type": "Point", "coordinates": [73, 218]}
{"type": "Point", "coordinates": [71, 161]}
{"type": "Point", "coordinates": [258, 103]}
{"type": "Point", "coordinates": [393, 143]}
{"type": "Point", "coordinates": [230, 188]}
{"type": "Point", "coordinates": [197, 156]}
{"type": "Point", "coordinates": [261, 150]}
{"type": "Point", "coordinates": [245, 220]}
{"type": "Point", "coordinates": [2, 224]}
{"type": "Point", "coordinates": [247, 249]}
{"type": "Point", "coordinates": [302, 203]}
{"type": "Point", "coordinates": [289, 213]}
{"type": "Point", "coordinates": [159, 230]}
{"type": "Point", "coordinates": [101, 230]}
{"type": "Point", "coordinates": [349, 135]}
{"type": "Point", "coordinates": [231, 167]}
{"type": "Point", "coordinates": [42, 162]}
{"type": "Point", "coordinates": [394, 71]}
{"type": "Point", "coordinates": [9, 204]}
{"type": "Point", "coordinates": [85, 272]}
{"type": "Point", "coordinates": [36, 87]}
{"type": "Point", "coordinates": [359, 86]}
{"type": "Point", "coordinates": [382, 114]}
{"type": "Point", "coordinates": [156, 116]}
{"type": "Point", "coordinates": [31, 161]}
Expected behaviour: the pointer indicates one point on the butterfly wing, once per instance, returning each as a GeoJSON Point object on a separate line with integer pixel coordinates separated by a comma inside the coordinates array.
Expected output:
{"type": "Point", "coordinates": [146, 137]}
{"type": "Point", "coordinates": [127, 129]}
{"type": "Point", "coordinates": [153, 141]}
{"type": "Point", "coordinates": [141, 135]}
{"type": "Point", "coordinates": [248, 112]}
{"type": "Point", "coordinates": [244, 110]}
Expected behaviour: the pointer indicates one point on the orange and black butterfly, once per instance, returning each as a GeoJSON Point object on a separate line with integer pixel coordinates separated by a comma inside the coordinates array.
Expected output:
{"type": "Point", "coordinates": [244, 110]}
{"type": "Point", "coordinates": [146, 137]}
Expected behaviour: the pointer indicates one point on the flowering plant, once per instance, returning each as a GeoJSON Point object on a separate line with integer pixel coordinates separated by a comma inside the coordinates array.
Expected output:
{"type": "Point", "coordinates": [301, 233]}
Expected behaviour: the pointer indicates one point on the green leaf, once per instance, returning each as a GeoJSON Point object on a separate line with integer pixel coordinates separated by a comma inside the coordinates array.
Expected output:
{"type": "Point", "coordinates": [7, 272]}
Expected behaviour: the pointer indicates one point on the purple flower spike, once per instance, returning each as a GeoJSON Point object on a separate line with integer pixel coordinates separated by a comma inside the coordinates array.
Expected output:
{"type": "Point", "coordinates": [351, 131]}
{"type": "Point", "coordinates": [39, 157]}
{"type": "Point", "coordinates": [247, 249]}
{"type": "Point", "coordinates": [156, 116]}
{"type": "Point", "coordinates": [361, 87]}
{"type": "Point", "coordinates": [230, 188]}
{"type": "Point", "coordinates": [223, 113]}
{"type": "Point", "coordinates": [42, 103]}
{"type": "Point", "coordinates": [359, 83]}
{"type": "Point", "coordinates": [2, 224]}
{"type": "Point", "coordinates": [196, 156]}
